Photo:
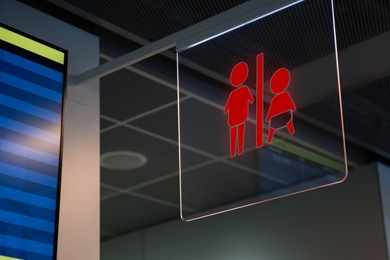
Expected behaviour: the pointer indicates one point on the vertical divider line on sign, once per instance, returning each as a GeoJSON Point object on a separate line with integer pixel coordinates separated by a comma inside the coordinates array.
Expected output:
{"type": "Point", "coordinates": [259, 99]}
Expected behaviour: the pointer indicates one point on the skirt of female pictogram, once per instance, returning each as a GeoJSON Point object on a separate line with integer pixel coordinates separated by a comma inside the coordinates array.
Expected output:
{"type": "Point", "coordinates": [281, 120]}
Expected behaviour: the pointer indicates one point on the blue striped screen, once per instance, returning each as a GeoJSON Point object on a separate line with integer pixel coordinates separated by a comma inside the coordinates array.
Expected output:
{"type": "Point", "coordinates": [31, 102]}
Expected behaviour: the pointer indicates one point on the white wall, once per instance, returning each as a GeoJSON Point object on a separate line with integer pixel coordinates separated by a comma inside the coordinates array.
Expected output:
{"type": "Point", "coordinates": [342, 222]}
{"type": "Point", "coordinates": [80, 204]}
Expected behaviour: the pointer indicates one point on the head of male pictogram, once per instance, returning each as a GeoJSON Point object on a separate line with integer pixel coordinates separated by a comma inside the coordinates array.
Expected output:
{"type": "Point", "coordinates": [239, 74]}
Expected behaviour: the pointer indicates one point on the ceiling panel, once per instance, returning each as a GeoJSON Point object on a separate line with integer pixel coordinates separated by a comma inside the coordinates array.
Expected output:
{"type": "Point", "coordinates": [360, 20]}
{"type": "Point", "coordinates": [167, 190]}
{"type": "Point", "coordinates": [162, 157]}
{"type": "Point", "coordinates": [125, 213]}
{"type": "Point", "coordinates": [366, 114]}
{"type": "Point", "coordinates": [105, 191]}
{"type": "Point", "coordinates": [154, 19]}
{"type": "Point", "coordinates": [105, 123]}
{"type": "Point", "coordinates": [124, 94]}
{"type": "Point", "coordinates": [166, 122]}
{"type": "Point", "coordinates": [217, 184]}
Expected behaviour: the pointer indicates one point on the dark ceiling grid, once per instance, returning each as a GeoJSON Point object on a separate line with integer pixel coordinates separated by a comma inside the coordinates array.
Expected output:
{"type": "Point", "coordinates": [107, 124]}
{"type": "Point", "coordinates": [123, 85]}
{"type": "Point", "coordinates": [271, 35]}
{"type": "Point", "coordinates": [185, 148]}
{"type": "Point", "coordinates": [140, 195]}
{"type": "Point", "coordinates": [360, 20]}
{"type": "Point", "coordinates": [126, 213]}
{"type": "Point", "coordinates": [154, 19]}
{"type": "Point", "coordinates": [118, 192]}
{"type": "Point", "coordinates": [366, 115]}
{"type": "Point", "coordinates": [112, 193]}
{"type": "Point", "coordinates": [165, 187]}
{"type": "Point", "coordinates": [161, 154]}
{"type": "Point", "coordinates": [375, 102]}
{"type": "Point", "coordinates": [161, 181]}
{"type": "Point", "coordinates": [357, 21]}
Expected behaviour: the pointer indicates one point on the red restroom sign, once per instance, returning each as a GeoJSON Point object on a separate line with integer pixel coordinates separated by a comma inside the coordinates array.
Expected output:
{"type": "Point", "coordinates": [275, 67]}
{"type": "Point", "coordinates": [280, 113]}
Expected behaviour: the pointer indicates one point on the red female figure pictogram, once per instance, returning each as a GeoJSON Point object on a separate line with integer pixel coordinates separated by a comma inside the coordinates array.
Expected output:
{"type": "Point", "coordinates": [237, 107]}
{"type": "Point", "coordinates": [280, 113]}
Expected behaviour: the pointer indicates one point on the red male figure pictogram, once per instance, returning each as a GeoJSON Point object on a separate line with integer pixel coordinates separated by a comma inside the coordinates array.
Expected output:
{"type": "Point", "coordinates": [280, 113]}
{"type": "Point", "coordinates": [237, 107]}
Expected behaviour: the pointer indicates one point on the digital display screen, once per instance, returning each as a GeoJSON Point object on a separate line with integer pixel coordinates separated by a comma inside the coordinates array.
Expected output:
{"type": "Point", "coordinates": [32, 82]}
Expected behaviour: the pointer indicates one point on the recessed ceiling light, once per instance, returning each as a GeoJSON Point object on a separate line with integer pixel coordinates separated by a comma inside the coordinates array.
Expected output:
{"type": "Point", "coordinates": [122, 160]}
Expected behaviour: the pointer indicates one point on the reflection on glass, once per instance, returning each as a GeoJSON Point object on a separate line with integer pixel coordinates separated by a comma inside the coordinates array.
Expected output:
{"type": "Point", "coordinates": [248, 118]}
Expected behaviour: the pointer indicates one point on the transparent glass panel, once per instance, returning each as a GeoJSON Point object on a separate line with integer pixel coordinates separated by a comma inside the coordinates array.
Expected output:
{"type": "Point", "coordinates": [243, 100]}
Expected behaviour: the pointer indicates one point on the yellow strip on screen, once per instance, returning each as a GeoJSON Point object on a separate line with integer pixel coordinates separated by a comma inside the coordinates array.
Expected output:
{"type": "Point", "coordinates": [8, 258]}
{"type": "Point", "coordinates": [32, 46]}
